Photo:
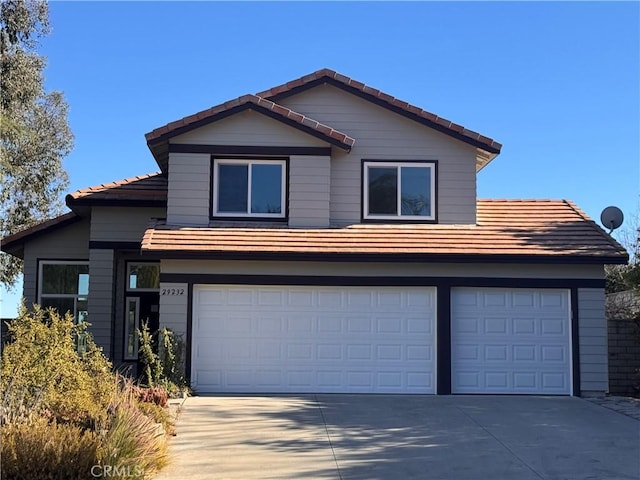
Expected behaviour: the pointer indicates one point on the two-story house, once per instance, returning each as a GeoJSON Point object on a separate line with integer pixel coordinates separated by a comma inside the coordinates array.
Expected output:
{"type": "Point", "coordinates": [323, 236]}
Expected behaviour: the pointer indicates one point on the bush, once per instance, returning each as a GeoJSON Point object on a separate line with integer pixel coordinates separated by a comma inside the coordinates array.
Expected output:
{"type": "Point", "coordinates": [41, 449]}
{"type": "Point", "coordinates": [64, 412]}
{"type": "Point", "coordinates": [161, 353]}
{"type": "Point", "coordinates": [133, 442]}
{"type": "Point", "coordinates": [41, 370]}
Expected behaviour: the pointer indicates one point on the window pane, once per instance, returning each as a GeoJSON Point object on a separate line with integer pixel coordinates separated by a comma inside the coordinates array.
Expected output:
{"type": "Point", "coordinates": [233, 181]}
{"type": "Point", "coordinates": [416, 191]}
{"type": "Point", "coordinates": [130, 329]}
{"type": "Point", "coordinates": [266, 188]}
{"type": "Point", "coordinates": [383, 190]}
{"type": "Point", "coordinates": [59, 278]}
{"type": "Point", "coordinates": [144, 275]}
{"type": "Point", "coordinates": [62, 305]}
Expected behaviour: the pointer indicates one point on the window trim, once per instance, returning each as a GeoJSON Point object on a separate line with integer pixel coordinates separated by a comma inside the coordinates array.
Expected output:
{"type": "Point", "coordinates": [228, 160]}
{"type": "Point", "coordinates": [39, 286]}
{"type": "Point", "coordinates": [128, 274]}
{"type": "Point", "coordinates": [398, 217]}
{"type": "Point", "coordinates": [136, 340]}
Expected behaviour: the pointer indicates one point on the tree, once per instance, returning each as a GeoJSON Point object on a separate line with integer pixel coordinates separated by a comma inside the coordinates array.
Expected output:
{"type": "Point", "coordinates": [34, 131]}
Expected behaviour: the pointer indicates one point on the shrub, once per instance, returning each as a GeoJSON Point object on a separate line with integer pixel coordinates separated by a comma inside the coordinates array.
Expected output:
{"type": "Point", "coordinates": [132, 442]}
{"type": "Point", "coordinates": [40, 449]}
{"type": "Point", "coordinates": [161, 353]}
{"type": "Point", "coordinates": [41, 369]}
{"type": "Point", "coordinates": [157, 395]}
{"type": "Point", "coordinates": [160, 415]}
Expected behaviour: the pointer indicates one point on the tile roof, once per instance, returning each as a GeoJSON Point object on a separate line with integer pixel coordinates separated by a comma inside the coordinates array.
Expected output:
{"type": "Point", "coordinates": [507, 230]}
{"type": "Point", "coordinates": [149, 189]}
{"type": "Point", "coordinates": [266, 102]}
{"type": "Point", "coordinates": [258, 103]}
{"type": "Point", "coordinates": [489, 146]}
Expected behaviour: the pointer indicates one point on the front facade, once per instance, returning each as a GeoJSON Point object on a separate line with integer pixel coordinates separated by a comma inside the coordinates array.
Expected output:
{"type": "Point", "coordinates": [323, 236]}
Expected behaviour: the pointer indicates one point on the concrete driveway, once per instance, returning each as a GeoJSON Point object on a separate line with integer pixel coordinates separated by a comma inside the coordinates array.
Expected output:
{"type": "Point", "coordinates": [402, 437]}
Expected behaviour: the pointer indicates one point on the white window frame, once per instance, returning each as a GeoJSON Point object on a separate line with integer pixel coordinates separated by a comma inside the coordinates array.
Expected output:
{"type": "Point", "coordinates": [129, 289]}
{"type": "Point", "coordinates": [249, 162]}
{"type": "Point", "coordinates": [75, 296]}
{"type": "Point", "coordinates": [136, 341]}
{"type": "Point", "coordinates": [398, 215]}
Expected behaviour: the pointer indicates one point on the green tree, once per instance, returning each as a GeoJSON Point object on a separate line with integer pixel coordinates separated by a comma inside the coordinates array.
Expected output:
{"type": "Point", "coordinates": [34, 131]}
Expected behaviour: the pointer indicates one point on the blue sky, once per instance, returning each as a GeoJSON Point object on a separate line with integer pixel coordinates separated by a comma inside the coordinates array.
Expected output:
{"type": "Point", "coordinates": [558, 84]}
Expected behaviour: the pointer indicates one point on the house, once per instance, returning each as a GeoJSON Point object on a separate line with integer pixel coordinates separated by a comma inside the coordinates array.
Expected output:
{"type": "Point", "coordinates": [323, 236]}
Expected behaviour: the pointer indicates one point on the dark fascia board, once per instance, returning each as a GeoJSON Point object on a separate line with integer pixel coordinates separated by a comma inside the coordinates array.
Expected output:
{"type": "Point", "coordinates": [373, 281]}
{"type": "Point", "coordinates": [388, 258]}
{"type": "Point", "coordinates": [13, 244]}
{"type": "Point", "coordinates": [112, 202]}
{"type": "Point", "coordinates": [388, 106]}
{"type": "Point", "coordinates": [240, 108]}
{"type": "Point", "coordinates": [248, 150]}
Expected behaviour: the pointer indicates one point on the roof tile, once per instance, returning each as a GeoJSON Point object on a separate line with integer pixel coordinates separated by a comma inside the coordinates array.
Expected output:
{"type": "Point", "coordinates": [544, 229]}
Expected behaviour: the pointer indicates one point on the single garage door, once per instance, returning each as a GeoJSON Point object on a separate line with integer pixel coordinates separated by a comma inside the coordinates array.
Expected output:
{"type": "Point", "coordinates": [313, 339]}
{"type": "Point", "coordinates": [510, 341]}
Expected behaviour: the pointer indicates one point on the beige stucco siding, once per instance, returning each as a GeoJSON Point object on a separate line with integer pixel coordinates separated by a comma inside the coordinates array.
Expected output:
{"type": "Point", "coordinates": [249, 128]}
{"type": "Point", "coordinates": [121, 224]}
{"type": "Point", "coordinates": [593, 340]}
{"type": "Point", "coordinates": [70, 242]}
{"type": "Point", "coordinates": [381, 134]}
{"type": "Point", "coordinates": [188, 195]}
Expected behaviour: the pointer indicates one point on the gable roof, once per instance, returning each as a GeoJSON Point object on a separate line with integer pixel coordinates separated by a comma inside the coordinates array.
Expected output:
{"type": "Point", "coordinates": [266, 103]}
{"type": "Point", "coordinates": [13, 244]}
{"type": "Point", "coordinates": [488, 148]}
{"type": "Point", "coordinates": [157, 140]}
{"type": "Point", "coordinates": [513, 231]}
{"type": "Point", "coordinates": [148, 190]}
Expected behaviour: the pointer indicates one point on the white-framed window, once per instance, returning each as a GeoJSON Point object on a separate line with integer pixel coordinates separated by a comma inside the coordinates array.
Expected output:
{"type": "Point", "coordinates": [143, 277]}
{"type": "Point", "coordinates": [249, 188]}
{"type": "Point", "coordinates": [131, 326]}
{"type": "Point", "coordinates": [64, 285]}
{"type": "Point", "coordinates": [399, 190]}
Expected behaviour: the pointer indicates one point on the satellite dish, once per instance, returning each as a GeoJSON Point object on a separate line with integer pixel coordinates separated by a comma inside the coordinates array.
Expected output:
{"type": "Point", "coordinates": [611, 218]}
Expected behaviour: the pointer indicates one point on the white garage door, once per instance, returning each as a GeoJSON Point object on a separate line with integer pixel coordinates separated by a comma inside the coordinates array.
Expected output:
{"type": "Point", "coordinates": [313, 339]}
{"type": "Point", "coordinates": [510, 341]}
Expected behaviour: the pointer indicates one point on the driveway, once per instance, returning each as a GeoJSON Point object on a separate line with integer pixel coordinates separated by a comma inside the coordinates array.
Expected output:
{"type": "Point", "coordinates": [377, 437]}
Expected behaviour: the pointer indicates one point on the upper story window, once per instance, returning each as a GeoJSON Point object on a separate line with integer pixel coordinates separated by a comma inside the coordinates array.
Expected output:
{"type": "Point", "coordinates": [64, 285]}
{"type": "Point", "coordinates": [399, 190]}
{"type": "Point", "coordinates": [249, 188]}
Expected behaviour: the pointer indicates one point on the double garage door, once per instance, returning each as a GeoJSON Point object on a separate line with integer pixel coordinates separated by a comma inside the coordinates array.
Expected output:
{"type": "Point", "coordinates": [377, 340]}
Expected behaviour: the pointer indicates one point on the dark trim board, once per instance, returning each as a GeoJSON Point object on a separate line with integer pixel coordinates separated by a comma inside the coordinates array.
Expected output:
{"type": "Point", "coordinates": [188, 348]}
{"type": "Point", "coordinates": [382, 257]}
{"type": "Point", "coordinates": [249, 150]}
{"type": "Point", "coordinates": [443, 340]}
{"type": "Point", "coordinates": [328, 281]}
{"type": "Point", "coordinates": [111, 245]}
{"type": "Point", "coordinates": [575, 341]}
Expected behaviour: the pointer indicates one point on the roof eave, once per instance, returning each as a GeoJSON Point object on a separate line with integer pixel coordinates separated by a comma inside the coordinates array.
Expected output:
{"type": "Point", "coordinates": [14, 244]}
{"type": "Point", "coordinates": [388, 257]}
{"type": "Point", "coordinates": [159, 145]}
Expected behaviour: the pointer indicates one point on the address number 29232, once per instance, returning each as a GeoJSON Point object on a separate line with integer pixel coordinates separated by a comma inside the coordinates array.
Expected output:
{"type": "Point", "coordinates": [171, 291]}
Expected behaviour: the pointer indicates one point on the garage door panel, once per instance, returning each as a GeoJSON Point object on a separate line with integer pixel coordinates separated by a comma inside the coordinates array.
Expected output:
{"type": "Point", "coordinates": [301, 339]}
{"type": "Point", "coordinates": [510, 341]}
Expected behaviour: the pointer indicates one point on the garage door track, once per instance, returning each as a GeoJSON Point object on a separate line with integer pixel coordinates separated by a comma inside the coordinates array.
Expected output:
{"type": "Point", "coordinates": [402, 437]}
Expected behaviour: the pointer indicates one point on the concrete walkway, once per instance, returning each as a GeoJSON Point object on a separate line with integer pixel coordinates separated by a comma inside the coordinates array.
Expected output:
{"type": "Point", "coordinates": [377, 437]}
